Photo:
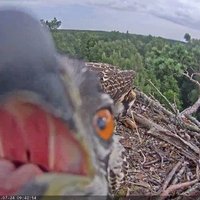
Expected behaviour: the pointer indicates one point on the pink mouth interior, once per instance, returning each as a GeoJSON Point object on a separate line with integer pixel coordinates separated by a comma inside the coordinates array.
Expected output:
{"type": "Point", "coordinates": [33, 142]}
{"type": "Point", "coordinates": [12, 178]}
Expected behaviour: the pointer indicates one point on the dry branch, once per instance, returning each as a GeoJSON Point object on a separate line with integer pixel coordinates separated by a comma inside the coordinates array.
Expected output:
{"type": "Point", "coordinates": [192, 109]}
{"type": "Point", "coordinates": [191, 151]}
{"type": "Point", "coordinates": [173, 188]}
{"type": "Point", "coordinates": [172, 117]}
{"type": "Point", "coordinates": [164, 97]}
{"type": "Point", "coordinates": [171, 174]}
{"type": "Point", "coordinates": [191, 78]}
{"type": "Point", "coordinates": [168, 142]}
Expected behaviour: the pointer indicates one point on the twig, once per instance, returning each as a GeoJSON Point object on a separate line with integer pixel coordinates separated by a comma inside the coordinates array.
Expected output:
{"type": "Point", "coordinates": [164, 97]}
{"type": "Point", "coordinates": [172, 117]}
{"type": "Point", "coordinates": [171, 174]}
{"type": "Point", "coordinates": [161, 155]}
{"type": "Point", "coordinates": [194, 120]}
{"type": "Point", "coordinates": [151, 95]}
{"type": "Point", "coordinates": [180, 173]}
{"type": "Point", "coordinates": [198, 172]}
{"type": "Point", "coordinates": [191, 151]}
{"type": "Point", "coordinates": [154, 103]}
{"type": "Point", "coordinates": [189, 175]}
{"type": "Point", "coordinates": [144, 157]}
{"type": "Point", "coordinates": [190, 77]}
{"type": "Point", "coordinates": [173, 188]}
{"type": "Point", "coordinates": [197, 74]}
{"type": "Point", "coordinates": [192, 109]}
{"type": "Point", "coordinates": [192, 191]}
{"type": "Point", "coordinates": [152, 162]}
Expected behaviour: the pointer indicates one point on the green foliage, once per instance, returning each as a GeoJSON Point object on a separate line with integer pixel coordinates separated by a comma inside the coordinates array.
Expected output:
{"type": "Point", "coordinates": [153, 58]}
{"type": "Point", "coordinates": [119, 52]}
{"type": "Point", "coordinates": [167, 63]}
{"type": "Point", "coordinates": [187, 37]}
{"type": "Point", "coordinates": [53, 24]}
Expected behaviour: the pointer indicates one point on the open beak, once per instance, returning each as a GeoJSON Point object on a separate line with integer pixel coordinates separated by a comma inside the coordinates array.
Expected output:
{"type": "Point", "coordinates": [38, 148]}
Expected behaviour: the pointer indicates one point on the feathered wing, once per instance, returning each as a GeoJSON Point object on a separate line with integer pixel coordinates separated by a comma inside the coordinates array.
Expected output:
{"type": "Point", "coordinates": [114, 81]}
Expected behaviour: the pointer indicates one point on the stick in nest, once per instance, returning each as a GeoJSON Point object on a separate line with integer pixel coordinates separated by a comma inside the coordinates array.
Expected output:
{"type": "Point", "coordinates": [173, 188]}
{"type": "Point", "coordinates": [171, 174]}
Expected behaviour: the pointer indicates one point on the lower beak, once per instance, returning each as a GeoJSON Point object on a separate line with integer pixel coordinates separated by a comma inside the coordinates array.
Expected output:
{"type": "Point", "coordinates": [57, 185]}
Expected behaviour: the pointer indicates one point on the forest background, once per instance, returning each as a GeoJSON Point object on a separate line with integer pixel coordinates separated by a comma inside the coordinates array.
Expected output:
{"type": "Point", "coordinates": [167, 70]}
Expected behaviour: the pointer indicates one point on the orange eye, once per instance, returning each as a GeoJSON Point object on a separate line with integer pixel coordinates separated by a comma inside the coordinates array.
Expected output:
{"type": "Point", "coordinates": [104, 124]}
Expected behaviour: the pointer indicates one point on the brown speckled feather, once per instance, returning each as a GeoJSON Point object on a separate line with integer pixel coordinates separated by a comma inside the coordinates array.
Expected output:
{"type": "Point", "coordinates": [115, 82]}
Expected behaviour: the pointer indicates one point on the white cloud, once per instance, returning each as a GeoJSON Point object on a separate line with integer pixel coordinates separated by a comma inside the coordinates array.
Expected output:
{"type": "Point", "coordinates": [184, 12]}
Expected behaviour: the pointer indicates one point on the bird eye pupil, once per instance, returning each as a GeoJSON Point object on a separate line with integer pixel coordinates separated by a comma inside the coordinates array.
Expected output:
{"type": "Point", "coordinates": [101, 122]}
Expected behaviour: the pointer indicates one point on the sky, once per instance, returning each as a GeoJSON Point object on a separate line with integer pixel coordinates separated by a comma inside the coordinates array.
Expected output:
{"type": "Point", "coordinates": [166, 18]}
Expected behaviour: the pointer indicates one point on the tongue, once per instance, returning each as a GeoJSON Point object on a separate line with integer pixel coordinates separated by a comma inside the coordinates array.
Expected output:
{"type": "Point", "coordinates": [12, 179]}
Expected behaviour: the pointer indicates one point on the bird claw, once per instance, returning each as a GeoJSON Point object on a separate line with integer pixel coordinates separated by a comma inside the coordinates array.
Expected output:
{"type": "Point", "coordinates": [131, 124]}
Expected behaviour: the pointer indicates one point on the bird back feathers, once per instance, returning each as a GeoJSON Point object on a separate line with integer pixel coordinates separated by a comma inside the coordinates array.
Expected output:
{"type": "Point", "coordinates": [114, 81]}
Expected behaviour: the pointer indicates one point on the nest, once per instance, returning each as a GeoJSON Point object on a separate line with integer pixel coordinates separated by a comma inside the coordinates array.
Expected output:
{"type": "Point", "coordinates": [163, 152]}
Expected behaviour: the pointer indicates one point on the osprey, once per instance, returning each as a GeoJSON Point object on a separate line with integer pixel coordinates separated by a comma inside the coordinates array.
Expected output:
{"type": "Point", "coordinates": [56, 124]}
{"type": "Point", "coordinates": [117, 83]}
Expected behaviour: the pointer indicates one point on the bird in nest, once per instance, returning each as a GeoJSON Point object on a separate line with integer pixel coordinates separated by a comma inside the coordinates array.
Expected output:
{"type": "Point", "coordinates": [119, 85]}
{"type": "Point", "coordinates": [56, 130]}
